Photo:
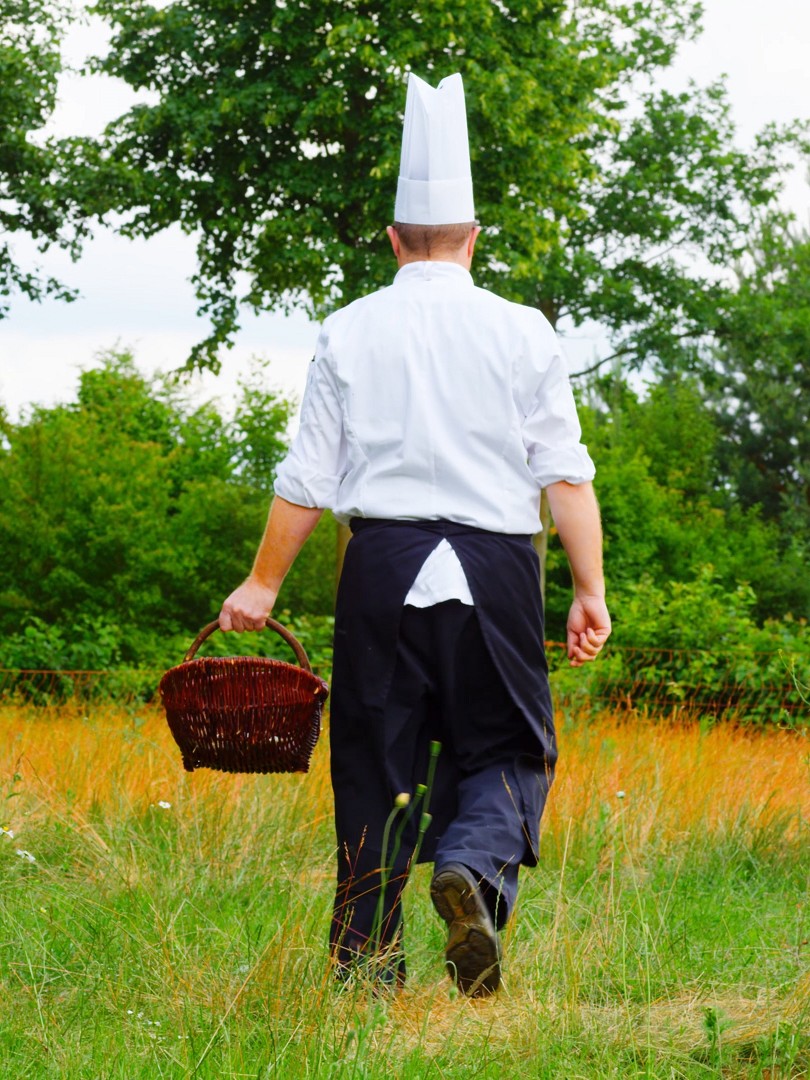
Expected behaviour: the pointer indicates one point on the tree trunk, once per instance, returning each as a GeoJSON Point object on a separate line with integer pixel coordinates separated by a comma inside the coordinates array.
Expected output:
{"type": "Point", "coordinates": [548, 306]}
{"type": "Point", "coordinates": [540, 541]}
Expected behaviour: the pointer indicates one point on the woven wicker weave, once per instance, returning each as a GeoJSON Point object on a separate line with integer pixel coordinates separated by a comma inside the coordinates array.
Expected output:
{"type": "Point", "coordinates": [244, 713]}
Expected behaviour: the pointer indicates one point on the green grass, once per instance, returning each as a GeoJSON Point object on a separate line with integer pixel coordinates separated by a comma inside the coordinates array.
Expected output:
{"type": "Point", "coordinates": [190, 941]}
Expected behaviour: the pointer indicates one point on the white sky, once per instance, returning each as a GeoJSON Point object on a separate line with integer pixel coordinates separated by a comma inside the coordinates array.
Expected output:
{"type": "Point", "coordinates": [137, 294]}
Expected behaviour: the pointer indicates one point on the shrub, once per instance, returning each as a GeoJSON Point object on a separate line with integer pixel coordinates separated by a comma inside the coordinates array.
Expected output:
{"type": "Point", "coordinates": [695, 646]}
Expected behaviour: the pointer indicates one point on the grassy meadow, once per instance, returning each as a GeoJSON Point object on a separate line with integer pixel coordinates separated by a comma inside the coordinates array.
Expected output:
{"type": "Point", "coordinates": [174, 925]}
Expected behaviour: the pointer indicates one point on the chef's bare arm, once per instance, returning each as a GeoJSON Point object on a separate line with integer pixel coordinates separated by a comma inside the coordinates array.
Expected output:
{"type": "Point", "coordinates": [576, 515]}
{"type": "Point", "coordinates": [288, 527]}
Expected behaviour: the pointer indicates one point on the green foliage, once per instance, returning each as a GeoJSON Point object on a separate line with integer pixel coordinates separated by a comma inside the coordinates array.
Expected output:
{"type": "Point", "coordinates": [38, 647]}
{"type": "Point", "coordinates": [665, 510]}
{"type": "Point", "coordinates": [758, 378]}
{"type": "Point", "coordinates": [276, 129]}
{"type": "Point", "coordinates": [710, 601]}
{"type": "Point", "coordinates": [695, 644]}
{"type": "Point", "coordinates": [85, 644]}
{"type": "Point", "coordinates": [33, 201]}
{"type": "Point", "coordinates": [259, 429]}
{"type": "Point", "coordinates": [127, 516]}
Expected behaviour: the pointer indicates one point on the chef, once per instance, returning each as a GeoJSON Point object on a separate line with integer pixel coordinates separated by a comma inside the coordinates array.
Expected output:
{"type": "Point", "coordinates": [434, 415]}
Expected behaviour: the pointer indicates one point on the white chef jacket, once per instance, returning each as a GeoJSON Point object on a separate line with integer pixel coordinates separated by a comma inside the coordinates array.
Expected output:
{"type": "Point", "coordinates": [433, 399]}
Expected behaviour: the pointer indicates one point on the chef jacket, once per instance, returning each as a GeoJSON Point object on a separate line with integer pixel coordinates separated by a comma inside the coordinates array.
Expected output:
{"type": "Point", "coordinates": [432, 399]}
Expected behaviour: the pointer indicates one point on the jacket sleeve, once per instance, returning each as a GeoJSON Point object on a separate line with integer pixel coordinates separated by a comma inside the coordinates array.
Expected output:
{"type": "Point", "coordinates": [552, 434]}
{"type": "Point", "coordinates": [311, 473]}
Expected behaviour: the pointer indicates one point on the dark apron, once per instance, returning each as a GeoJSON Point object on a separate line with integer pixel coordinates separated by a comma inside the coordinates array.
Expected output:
{"type": "Point", "coordinates": [382, 561]}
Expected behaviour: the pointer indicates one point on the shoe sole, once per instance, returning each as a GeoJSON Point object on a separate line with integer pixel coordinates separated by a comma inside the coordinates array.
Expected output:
{"type": "Point", "coordinates": [473, 952]}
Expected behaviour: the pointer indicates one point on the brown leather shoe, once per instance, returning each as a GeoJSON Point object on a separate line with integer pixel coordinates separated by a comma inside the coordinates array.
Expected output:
{"type": "Point", "coordinates": [473, 951]}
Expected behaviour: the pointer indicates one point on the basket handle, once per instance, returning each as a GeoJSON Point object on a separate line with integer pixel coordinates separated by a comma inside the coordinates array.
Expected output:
{"type": "Point", "coordinates": [282, 631]}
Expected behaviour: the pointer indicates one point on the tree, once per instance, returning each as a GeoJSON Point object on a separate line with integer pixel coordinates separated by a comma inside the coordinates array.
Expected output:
{"type": "Point", "coordinates": [35, 199]}
{"type": "Point", "coordinates": [758, 376]}
{"type": "Point", "coordinates": [136, 512]}
{"type": "Point", "coordinates": [276, 133]}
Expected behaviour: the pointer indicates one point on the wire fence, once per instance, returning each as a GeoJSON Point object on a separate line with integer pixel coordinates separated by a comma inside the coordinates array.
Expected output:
{"type": "Point", "coordinates": [740, 684]}
{"type": "Point", "coordinates": [47, 686]}
{"type": "Point", "coordinates": [764, 687]}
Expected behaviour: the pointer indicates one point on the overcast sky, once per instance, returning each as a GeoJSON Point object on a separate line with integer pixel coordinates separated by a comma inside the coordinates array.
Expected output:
{"type": "Point", "coordinates": [136, 293]}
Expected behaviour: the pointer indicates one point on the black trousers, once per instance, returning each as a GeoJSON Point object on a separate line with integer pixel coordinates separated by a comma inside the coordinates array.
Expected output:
{"type": "Point", "coordinates": [444, 690]}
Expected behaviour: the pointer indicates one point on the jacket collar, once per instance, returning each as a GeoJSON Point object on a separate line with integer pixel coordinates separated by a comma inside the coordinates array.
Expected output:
{"type": "Point", "coordinates": [433, 269]}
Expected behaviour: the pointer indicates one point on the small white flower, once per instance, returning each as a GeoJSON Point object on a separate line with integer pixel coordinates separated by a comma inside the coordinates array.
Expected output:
{"type": "Point", "coordinates": [7, 832]}
{"type": "Point", "coordinates": [619, 794]}
{"type": "Point", "coordinates": [26, 855]}
{"type": "Point", "coordinates": [130, 1012]}
{"type": "Point", "coordinates": [164, 805]}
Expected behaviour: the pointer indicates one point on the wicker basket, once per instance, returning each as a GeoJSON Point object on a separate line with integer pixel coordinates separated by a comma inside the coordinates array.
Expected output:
{"type": "Point", "coordinates": [244, 713]}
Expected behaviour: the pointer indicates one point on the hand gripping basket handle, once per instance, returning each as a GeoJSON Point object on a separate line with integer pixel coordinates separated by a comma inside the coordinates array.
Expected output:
{"type": "Point", "coordinates": [282, 631]}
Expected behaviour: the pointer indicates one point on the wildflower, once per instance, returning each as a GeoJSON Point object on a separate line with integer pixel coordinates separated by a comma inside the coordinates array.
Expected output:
{"type": "Point", "coordinates": [164, 805]}
{"type": "Point", "coordinates": [619, 794]}
{"type": "Point", "coordinates": [7, 832]}
{"type": "Point", "coordinates": [26, 855]}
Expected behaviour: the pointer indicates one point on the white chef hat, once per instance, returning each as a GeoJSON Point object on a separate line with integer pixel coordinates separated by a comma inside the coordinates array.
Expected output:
{"type": "Point", "coordinates": [435, 179]}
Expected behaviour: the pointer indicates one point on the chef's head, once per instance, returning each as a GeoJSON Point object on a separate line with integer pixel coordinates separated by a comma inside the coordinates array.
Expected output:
{"type": "Point", "coordinates": [448, 243]}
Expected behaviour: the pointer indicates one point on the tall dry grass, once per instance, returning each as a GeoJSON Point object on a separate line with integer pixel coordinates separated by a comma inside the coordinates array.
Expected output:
{"type": "Point", "coordinates": [223, 898]}
{"type": "Point", "coordinates": [668, 777]}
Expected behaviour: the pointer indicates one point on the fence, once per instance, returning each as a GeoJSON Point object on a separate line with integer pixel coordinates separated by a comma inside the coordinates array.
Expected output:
{"type": "Point", "coordinates": [765, 687]}
{"type": "Point", "coordinates": [740, 684]}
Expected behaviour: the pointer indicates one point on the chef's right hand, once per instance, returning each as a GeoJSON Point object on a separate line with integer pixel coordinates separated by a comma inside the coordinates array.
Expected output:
{"type": "Point", "coordinates": [248, 607]}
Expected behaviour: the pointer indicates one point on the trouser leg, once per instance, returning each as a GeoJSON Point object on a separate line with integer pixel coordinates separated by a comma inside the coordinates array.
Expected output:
{"type": "Point", "coordinates": [373, 763]}
{"type": "Point", "coordinates": [487, 836]}
{"type": "Point", "coordinates": [487, 735]}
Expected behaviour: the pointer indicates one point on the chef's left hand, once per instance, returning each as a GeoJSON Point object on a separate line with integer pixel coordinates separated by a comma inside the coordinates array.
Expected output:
{"type": "Point", "coordinates": [588, 628]}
